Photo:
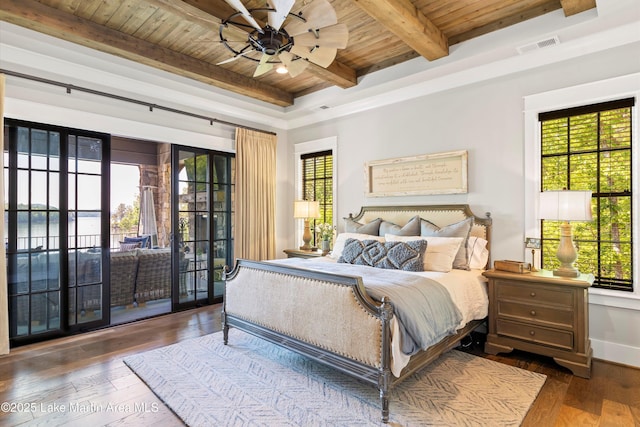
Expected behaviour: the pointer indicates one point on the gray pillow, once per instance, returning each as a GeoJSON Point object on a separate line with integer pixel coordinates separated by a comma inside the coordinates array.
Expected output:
{"type": "Point", "coordinates": [407, 256]}
{"type": "Point", "coordinates": [372, 228]}
{"type": "Point", "coordinates": [411, 228]}
{"type": "Point", "coordinates": [459, 229]}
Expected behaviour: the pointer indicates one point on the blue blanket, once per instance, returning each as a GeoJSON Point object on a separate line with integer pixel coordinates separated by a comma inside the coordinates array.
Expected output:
{"type": "Point", "coordinates": [423, 307]}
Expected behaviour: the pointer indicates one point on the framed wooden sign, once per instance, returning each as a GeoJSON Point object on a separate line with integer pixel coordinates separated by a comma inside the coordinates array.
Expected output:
{"type": "Point", "coordinates": [440, 173]}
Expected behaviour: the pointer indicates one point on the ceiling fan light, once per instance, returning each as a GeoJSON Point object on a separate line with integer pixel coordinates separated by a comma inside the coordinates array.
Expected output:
{"type": "Point", "coordinates": [282, 70]}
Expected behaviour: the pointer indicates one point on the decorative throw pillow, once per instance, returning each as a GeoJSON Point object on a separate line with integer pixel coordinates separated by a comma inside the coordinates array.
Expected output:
{"type": "Point", "coordinates": [408, 256]}
{"type": "Point", "coordinates": [126, 247]}
{"type": "Point", "coordinates": [411, 228]}
{"type": "Point", "coordinates": [372, 228]}
{"type": "Point", "coordinates": [477, 252]}
{"type": "Point", "coordinates": [459, 229]}
{"type": "Point", "coordinates": [145, 241]}
{"type": "Point", "coordinates": [338, 245]}
{"type": "Point", "coordinates": [440, 253]}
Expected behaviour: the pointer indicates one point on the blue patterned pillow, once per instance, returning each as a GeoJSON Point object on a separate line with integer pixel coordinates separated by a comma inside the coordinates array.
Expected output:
{"type": "Point", "coordinates": [408, 256]}
{"type": "Point", "coordinates": [145, 241]}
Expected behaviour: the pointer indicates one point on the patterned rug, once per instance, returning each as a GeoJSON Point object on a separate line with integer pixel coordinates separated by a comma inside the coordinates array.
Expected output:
{"type": "Point", "coordinates": [251, 382]}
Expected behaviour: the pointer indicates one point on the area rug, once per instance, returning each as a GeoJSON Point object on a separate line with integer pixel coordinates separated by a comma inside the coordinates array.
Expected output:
{"type": "Point", "coordinates": [251, 382]}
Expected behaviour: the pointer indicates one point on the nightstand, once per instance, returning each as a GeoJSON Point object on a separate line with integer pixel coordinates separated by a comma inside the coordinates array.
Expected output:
{"type": "Point", "coordinates": [541, 313]}
{"type": "Point", "coordinates": [299, 253]}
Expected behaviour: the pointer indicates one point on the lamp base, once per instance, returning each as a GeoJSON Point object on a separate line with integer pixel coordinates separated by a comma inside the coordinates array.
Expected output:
{"type": "Point", "coordinates": [566, 272]}
{"type": "Point", "coordinates": [566, 253]}
{"type": "Point", "coordinates": [306, 237]}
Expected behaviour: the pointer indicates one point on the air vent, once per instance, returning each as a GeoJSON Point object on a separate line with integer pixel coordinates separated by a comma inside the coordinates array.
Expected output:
{"type": "Point", "coordinates": [541, 44]}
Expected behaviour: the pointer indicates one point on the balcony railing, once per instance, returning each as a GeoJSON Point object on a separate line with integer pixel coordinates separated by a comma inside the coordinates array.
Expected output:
{"type": "Point", "coordinates": [79, 241]}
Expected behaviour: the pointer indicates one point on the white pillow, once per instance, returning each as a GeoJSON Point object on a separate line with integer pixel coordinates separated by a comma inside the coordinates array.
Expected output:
{"type": "Point", "coordinates": [441, 251]}
{"type": "Point", "coordinates": [477, 252]}
{"type": "Point", "coordinates": [338, 246]}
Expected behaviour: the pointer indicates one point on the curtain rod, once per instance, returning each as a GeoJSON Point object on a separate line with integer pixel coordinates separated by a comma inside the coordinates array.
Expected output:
{"type": "Point", "coordinates": [151, 106]}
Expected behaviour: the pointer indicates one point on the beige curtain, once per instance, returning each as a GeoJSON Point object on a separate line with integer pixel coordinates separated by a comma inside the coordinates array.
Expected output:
{"type": "Point", "coordinates": [254, 236]}
{"type": "Point", "coordinates": [4, 300]}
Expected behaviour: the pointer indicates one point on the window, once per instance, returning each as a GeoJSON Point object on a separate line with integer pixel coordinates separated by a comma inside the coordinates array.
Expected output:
{"type": "Point", "coordinates": [317, 184]}
{"type": "Point", "coordinates": [590, 148]}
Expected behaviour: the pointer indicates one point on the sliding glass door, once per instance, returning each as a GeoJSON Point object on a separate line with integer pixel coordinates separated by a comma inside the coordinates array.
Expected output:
{"type": "Point", "coordinates": [87, 201]}
{"type": "Point", "coordinates": [54, 210]}
{"type": "Point", "coordinates": [60, 263]}
{"type": "Point", "coordinates": [203, 207]}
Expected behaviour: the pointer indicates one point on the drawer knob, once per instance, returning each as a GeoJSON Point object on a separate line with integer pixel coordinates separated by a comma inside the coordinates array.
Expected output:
{"type": "Point", "coordinates": [532, 333]}
{"type": "Point", "coordinates": [533, 294]}
{"type": "Point", "coordinates": [533, 312]}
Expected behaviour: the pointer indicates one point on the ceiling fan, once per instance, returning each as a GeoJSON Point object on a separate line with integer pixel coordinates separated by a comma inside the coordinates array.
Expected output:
{"type": "Point", "coordinates": [288, 40]}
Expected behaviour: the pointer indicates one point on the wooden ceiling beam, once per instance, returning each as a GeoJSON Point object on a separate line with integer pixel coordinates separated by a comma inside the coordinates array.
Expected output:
{"type": "Point", "coordinates": [571, 7]}
{"type": "Point", "coordinates": [404, 20]}
{"type": "Point", "coordinates": [39, 17]}
{"type": "Point", "coordinates": [337, 74]}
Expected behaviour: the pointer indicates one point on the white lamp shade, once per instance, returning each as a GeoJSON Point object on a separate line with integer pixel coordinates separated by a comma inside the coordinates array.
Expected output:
{"type": "Point", "coordinates": [565, 205]}
{"type": "Point", "coordinates": [306, 209]}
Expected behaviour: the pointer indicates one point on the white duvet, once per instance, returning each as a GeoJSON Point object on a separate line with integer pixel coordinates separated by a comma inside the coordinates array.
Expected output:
{"type": "Point", "coordinates": [468, 291]}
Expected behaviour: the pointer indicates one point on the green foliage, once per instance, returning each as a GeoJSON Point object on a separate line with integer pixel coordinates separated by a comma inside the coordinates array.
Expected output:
{"type": "Point", "coordinates": [592, 152]}
{"type": "Point", "coordinates": [126, 217]}
{"type": "Point", "coordinates": [197, 172]}
{"type": "Point", "coordinates": [317, 183]}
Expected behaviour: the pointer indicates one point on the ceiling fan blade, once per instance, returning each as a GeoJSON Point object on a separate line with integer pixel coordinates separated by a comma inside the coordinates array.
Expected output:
{"type": "Point", "coordinates": [237, 5]}
{"type": "Point", "coordinates": [294, 67]}
{"type": "Point", "coordinates": [322, 56]}
{"type": "Point", "coordinates": [233, 58]}
{"type": "Point", "coordinates": [282, 7]}
{"type": "Point", "coordinates": [335, 36]}
{"type": "Point", "coordinates": [318, 14]}
{"type": "Point", "coordinates": [264, 65]}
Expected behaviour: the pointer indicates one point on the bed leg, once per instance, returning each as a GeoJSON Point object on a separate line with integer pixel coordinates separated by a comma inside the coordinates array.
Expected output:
{"type": "Point", "coordinates": [384, 378]}
{"type": "Point", "coordinates": [384, 402]}
{"type": "Point", "coordinates": [225, 329]}
{"type": "Point", "coordinates": [383, 386]}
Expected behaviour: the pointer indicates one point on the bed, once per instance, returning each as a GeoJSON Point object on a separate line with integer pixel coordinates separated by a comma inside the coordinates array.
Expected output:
{"type": "Point", "coordinates": [331, 316]}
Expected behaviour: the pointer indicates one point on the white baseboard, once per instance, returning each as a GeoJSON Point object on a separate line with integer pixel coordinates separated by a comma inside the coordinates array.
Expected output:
{"type": "Point", "coordinates": [617, 353]}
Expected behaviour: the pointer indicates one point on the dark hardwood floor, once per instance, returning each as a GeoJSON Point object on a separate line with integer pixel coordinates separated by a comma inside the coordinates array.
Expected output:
{"type": "Point", "coordinates": [41, 380]}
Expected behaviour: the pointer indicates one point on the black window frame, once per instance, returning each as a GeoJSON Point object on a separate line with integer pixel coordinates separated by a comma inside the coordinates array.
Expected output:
{"type": "Point", "coordinates": [599, 194]}
{"type": "Point", "coordinates": [317, 185]}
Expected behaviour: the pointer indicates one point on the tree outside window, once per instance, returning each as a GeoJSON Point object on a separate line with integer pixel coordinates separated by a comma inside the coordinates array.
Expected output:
{"type": "Point", "coordinates": [317, 184]}
{"type": "Point", "coordinates": [589, 148]}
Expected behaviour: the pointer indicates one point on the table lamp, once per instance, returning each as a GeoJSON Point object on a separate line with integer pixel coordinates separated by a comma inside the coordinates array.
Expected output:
{"type": "Point", "coordinates": [306, 209]}
{"type": "Point", "coordinates": [565, 205]}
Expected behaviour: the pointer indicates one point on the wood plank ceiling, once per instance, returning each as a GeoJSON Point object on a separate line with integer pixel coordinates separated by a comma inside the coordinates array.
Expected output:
{"type": "Point", "coordinates": [182, 37]}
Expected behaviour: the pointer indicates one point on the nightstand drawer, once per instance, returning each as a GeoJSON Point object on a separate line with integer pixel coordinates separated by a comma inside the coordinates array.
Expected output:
{"type": "Point", "coordinates": [536, 334]}
{"type": "Point", "coordinates": [536, 313]}
{"type": "Point", "coordinates": [534, 293]}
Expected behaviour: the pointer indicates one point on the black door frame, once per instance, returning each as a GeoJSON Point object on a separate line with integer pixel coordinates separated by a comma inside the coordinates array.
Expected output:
{"type": "Point", "coordinates": [176, 233]}
{"type": "Point", "coordinates": [64, 328]}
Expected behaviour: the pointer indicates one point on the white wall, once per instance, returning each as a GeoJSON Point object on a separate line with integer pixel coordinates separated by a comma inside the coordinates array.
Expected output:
{"type": "Point", "coordinates": [486, 119]}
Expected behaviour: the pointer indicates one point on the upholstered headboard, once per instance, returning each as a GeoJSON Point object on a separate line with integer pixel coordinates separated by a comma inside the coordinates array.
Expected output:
{"type": "Point", "coordinates": [440, 215]}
